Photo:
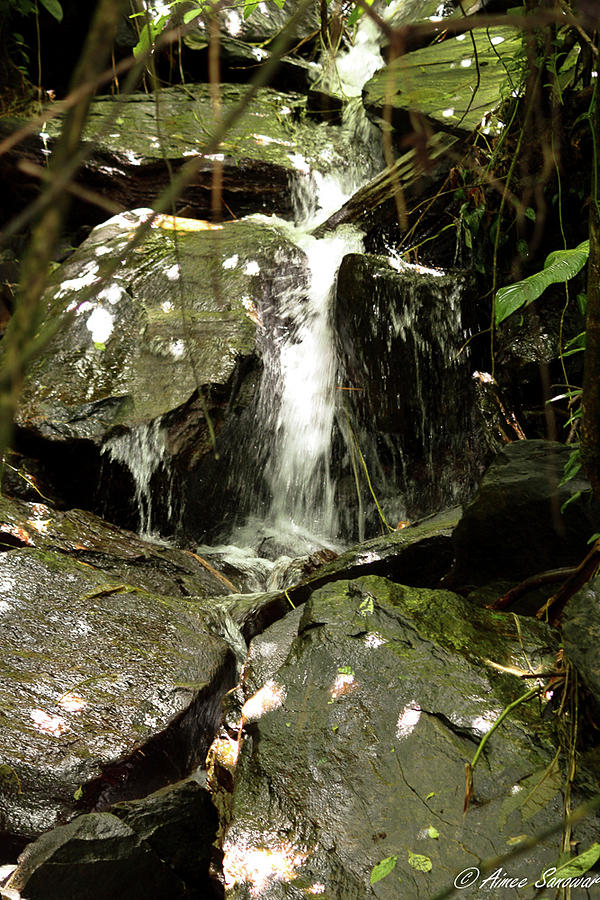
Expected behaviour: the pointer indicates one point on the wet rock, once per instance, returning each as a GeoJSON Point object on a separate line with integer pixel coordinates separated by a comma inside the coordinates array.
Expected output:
{"type": "Point", "coordinates": [409, 394]}
{"type": "Point", "coordinates": [353, 750]}
{"type": "Point", "coordinates": [514, 527]}
{"type": "Point", "coordinates": [263, 26]}
{"type": "Point", "coordinates": [374, 205]}
{"type": "Point", "coordinates": [176, 315]}
{"type": "Point", "coordinates": [120, 555]}
{"type": "Point", "coordinates": [95, 857]}
{"type": "Point", "coordinates": [108, 691]}
{"type": "Point", "coordinates": [419, 555]}
{"type": "Point", "coordinates": [178, 318]}
{"type": "Point", "coordinates": [581, 633]}
{"type": "Point", "coordinates": [268, 144]}
{"type": "Point", "coordinates": [528, 357]}
{"type": "Point", "coordinates": [179, 823]}
{"type": "Point", "coordinates": [240, 62]}
{"type": "Point", "coordinates": [453, 89]}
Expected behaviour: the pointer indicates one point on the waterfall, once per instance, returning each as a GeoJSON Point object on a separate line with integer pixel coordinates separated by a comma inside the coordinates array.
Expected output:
{"type": "Point", "coordinates": [143, 451]}
{"type": "Point", "coordinates": [297, 404]}
{"type": "Point", "coordinates": [299, 469]}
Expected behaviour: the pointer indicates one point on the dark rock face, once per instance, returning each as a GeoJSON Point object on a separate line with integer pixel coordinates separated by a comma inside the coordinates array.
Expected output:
{"type": "Point", "coordinates": [514, 527]}
{"type": "Point", "coordinates": [108, 691]}
{"type": "Point", "coordinates": [354, 746]}
{"type": "Point", "coordinates": [409, 391]}
{"type": "Point", "coordinates": [179, 822]}
{"type": "Point", "coordinates": [580, 630]}
{"type": "Point", "coordinates": [96, 857]}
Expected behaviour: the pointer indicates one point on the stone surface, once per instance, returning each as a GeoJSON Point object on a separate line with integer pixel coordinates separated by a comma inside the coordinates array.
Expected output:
{"type": "Point", "coordinates": [410, 397]}
{"type": "Point", "coordinates": [177, 314]}
{"type": "Point", "coordinates": [120, 555]}
{"type": "Point", "coordinates": [514, 527]}
{"type": "Point", "coordinates": [419, 555]}
{"type": "Point", "coordinates": [108, 691]}
{"type": "Point", "coordinates": [354, 747]}
{"type": "Point", "coordinates": [264, 25]}
{"type": "Point", "coordinates": [267, 145]}
{"type": "Point", "coordinates": [95, 857]}
{"type": "Point", "coordinates": [179, 823]}
{"type": "Point", "coordinates": [580, 628]}
{"type": "Point", "coordinates": [448, 83]}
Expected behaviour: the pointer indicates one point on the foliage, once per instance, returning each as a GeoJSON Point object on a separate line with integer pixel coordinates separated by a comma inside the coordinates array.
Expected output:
{"type": "Point", "coordinates": [383, 869]}
{"type": "Point", "coordinates": [560, 266]}
{"type": "Point", "coordinates": [29, 7]}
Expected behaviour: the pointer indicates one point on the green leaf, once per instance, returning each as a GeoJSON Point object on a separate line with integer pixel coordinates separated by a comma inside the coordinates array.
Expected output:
{"type": "Point", "coordinates": [190, 14]}
{"type": "Point", "coordinates": [345, 670]}
{"type": "Point", "coordinates": [582, 302]}
{"type": "Point", "coordinates": [430, 795]}
{"type": "Point", "coordinates": [594, 537]}
{"type": "Point", "coordinates": [433, 833]}
{"type": "Point", "coordinates": [569, 500]}
{"type": "Point", "coordinates": [78, 793]}
{"type": "Point", "coordinates": [54, 8]}
{"type": "Point", "coordinates": [579, 865]}
{"type": "Point", "coordinates": [249, 7]}
{"type": "Point", "coordinates": [356, 14]}
{"type": "Point", "coordinates": [572, 466]}
{"type": "Point", "coordinates": [279, 3]}
{"type": "Point", "coordinates": [532, 793]}
{"type": "Point", "coordinates": [99, 345]}
{"type": "Point", "coordinates": [143, 43]}
{"type": "Point", "coordinates": [530, 213]}
{"type": "Point", "coordinates": [561, 265]}
{"type": "Point", "coordinates": [383, 868]}
{"type": "Point", "coordinates": [419, 862]}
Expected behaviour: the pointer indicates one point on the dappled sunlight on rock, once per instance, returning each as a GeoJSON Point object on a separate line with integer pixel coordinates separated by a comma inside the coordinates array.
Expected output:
{"type": "Point", "coordinates": [407, 720]}
{"type": "Point", "coordinates": [270, 696]}
{"type": "Point", "coordinates": [48, 724]}
{"type": "Point", "coordinates": [246, 863]}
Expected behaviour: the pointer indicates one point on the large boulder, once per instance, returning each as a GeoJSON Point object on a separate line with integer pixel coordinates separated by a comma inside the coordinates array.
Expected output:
{"type": "Point", "coordinates": [408, 388]}
{"type": "Point", "coordinates": [518, 524]}
{"type": "Point", "coordinates": [350, 747]}
{"type": "Point", "coordinates": [135, 145]}
{"type": "Point", "coordinates": [108, 691]}
{"type": "Point", "coordinates": [95, 857]}
{"type": "Point", "coordinates": [450, 84]}
{"type": "Point", "coordinates": [172, 332]}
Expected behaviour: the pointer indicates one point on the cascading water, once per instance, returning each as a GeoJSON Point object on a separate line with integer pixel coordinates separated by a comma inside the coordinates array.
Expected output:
{"type": "Point", "coordinates": [299, 470]}
{"type": "Point", "coordinates": [142, 450]}
{"type": "Point", "coordinates": [287, 482]}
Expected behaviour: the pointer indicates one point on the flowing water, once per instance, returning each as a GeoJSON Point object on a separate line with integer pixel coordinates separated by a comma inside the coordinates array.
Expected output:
{"type": "Point", "coordinates": [298, 397]}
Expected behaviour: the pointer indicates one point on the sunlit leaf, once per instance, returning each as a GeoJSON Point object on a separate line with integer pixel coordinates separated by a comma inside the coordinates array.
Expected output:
{"type": "Point", "coordinates": [383, 868]}
{"type": "Point", "coordinates": [579, 865]}
{"type": "Point", "coordinates": [356, 14]}
{"type": "Point", "coordinates": [561, 265]}
{"type": "Point", "coordinates": [190, 14]}
{"type": "Point", "coordinates": [433, 832]}
{"type": "Point", "coordinates": [249, 7]}
{"type": "Point", "coordinates": [419, 862]}
{"type": "Point", "coordinates": [54, 8]}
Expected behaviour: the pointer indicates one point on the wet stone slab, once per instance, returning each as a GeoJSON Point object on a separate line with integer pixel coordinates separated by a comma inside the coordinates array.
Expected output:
{"type": "Point", "coordinates": [107, 691]}
{"type": "Point", "coordinates": [355, 740]}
